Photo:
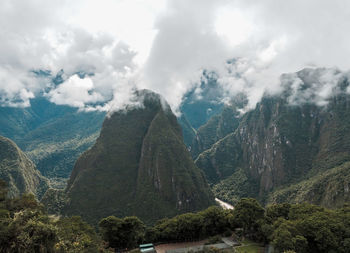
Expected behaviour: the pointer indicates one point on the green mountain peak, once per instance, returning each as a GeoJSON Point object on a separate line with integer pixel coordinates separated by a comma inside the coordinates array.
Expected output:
{"type": "Point", "coordinates": [139, 165]}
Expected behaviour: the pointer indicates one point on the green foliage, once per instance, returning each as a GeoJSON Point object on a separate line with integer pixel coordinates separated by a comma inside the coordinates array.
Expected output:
{"type": "Point", "coordinates": [122, 233]}
{"type": "Point", "coordinates": [215, 129]}
{"type": "Point", "coordinates": [309, 228]}
{"type": "Point", "coordinates": [247, 214]}
{"type": "Point", "coordinates": [25, 227]}
{"type": "Point", "coordinates": [238, 185]}
{"type": "Point", "coordinates": [143, 169]}
{"type": "Point", "coordinates": [75, 235]}
{"type": "Point", "coordinates": [215, 220]}
{"type": "Point", "coordinates": [18, 171]}
{"type": "Point", "coordinates": [188, 131]}
{"type": "Point", "coordinates": [273, 212]}
{"type": "Point", "coordinates": [52, 135]}
{"type": "Point", "coordinates": [283, 153]}
{"type": "Point", "coordinates": [193, 226]}
{"type": "Point", "coordinates": [326, 189]}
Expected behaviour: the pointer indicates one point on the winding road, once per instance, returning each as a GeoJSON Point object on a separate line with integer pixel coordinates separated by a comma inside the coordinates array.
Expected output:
{"type": "Point", "coordinates": [224, 204]}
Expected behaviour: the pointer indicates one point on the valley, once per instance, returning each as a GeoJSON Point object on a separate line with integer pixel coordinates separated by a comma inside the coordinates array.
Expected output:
{"type": "Point", "coordinates": [147, 167]}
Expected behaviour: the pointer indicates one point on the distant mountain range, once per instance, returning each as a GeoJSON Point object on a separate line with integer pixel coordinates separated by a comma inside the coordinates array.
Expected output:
{"type": "Point", "coordinates": [53, 136]}
{"type": "Point", "coordinates": [294, 146]}
{"type": "Point", "coordinates": [283, 151]}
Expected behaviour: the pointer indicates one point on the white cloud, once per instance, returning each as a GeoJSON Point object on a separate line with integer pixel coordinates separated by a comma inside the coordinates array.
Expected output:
{"type": "Point", "coordinates": [75, 92]}
{"type": "Point", "coordinates": [314, 86]}
{"type": "Point", "coordinates": [164, 45]}
{"type": "Point", "coordinates": [18, 86]}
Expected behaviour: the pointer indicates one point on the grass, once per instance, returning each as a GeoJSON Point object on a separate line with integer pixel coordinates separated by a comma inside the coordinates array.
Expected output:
{"type": "Point", "coordinates": [249, 247]}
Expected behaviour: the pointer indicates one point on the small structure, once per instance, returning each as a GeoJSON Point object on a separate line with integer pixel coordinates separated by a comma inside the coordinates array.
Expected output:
{"type": "Point", "coordinates": [147, 248]}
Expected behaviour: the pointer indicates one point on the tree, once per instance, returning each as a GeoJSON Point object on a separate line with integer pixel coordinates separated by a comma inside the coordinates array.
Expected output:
{"type": "Point", "coordinates": [134, 230]}
{"type": "Point", "coordinates": [287, 237]}
{"type": "Point", "coordinates": [30, 231]}
{"type": "Point", "coordinates": [75, 235]}
{"type": "Point", "coordinates": [111, 231]}
{"type": "Point", "coordinates": [215, 221]}
{"type": "Point", "coordinates": [273, 212]}
{"type": "Point", "coordinates": [122, 233]}
{"type": "Point", "coordinates": [190, 226]}
{"type": "Point", "coordinates": [247, 214]}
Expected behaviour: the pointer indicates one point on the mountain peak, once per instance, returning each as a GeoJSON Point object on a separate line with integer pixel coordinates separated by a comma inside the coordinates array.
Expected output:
{"type": "Point", "coordinates": [138, 163]}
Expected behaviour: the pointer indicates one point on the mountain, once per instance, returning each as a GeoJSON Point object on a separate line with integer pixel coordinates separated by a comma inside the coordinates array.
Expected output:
{"type": "Point", "coordinates": [139, 166]}
{"type": "Point", "coordinates": [203, 101]}
{"type": "Point", "coordinates": [285, 140]}
{"type": "Point", "coordinates": [19, 172]}
{"type": "Point", "coordinates": [215, 129]}
{"type": "Point", "coordinates": [53, 136]}
{"type": "Point", "coordinates": [200, 104]}
{"type": "Point", "coordinates": [329, 188]}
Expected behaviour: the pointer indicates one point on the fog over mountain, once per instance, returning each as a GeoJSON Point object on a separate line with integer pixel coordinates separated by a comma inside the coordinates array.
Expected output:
{"type": "Point", "coordinates": [164, 46]}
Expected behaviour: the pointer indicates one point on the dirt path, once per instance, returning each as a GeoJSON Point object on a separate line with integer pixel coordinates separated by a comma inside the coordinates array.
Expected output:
{"type": "Point", "coordinates": [164, 247]}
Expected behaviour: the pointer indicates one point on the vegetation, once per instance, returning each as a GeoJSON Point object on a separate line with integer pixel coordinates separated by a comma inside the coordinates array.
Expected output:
{"type": "Point", "coordinates": [122, 233]}
{"type": "Point", "coordinates": [249, 246]}
{"type": "Point", "coordinates": [19, 172]}
{"type": "Point", "coordinates": [329, 189]}
{"type": "Point", "coordinates": [25, 227]}
{"type": "Point", "coordinates": [282, 152]}
{"type": "Point", "coordinates": [309, 228]}
{"type": "Point", "coordinates": [217, 127]}
{"type": "Point", "coordinates": [289, 227]}
{"type": "Point", "coordinates": [53, 136]}
{"type": "Point", "coordinates": [143, 169]}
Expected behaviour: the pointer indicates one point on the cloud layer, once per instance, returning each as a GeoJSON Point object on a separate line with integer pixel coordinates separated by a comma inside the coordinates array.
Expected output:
{"type": "Point", "coordinates": [120, 45]}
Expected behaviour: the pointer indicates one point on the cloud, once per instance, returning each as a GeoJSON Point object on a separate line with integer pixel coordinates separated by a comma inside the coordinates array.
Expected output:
{"type": "Point", "coordinates": [186, 42]}
{"type": "Point", "coordinates": [122, 44]}
{"type": "Point", "coordinates": [18, 86]}
{"type": "Point", "coordinates": [315, 86]}
{"type": "Point", "coordinates": [76, 92]}
{"type": "Point", "coordinates": [265, 38]}
{"type": "Point", "coordinates": [35, 36]}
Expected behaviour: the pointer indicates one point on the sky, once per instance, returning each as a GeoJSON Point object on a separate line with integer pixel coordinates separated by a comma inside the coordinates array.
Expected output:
{"type": "Point", "coordinates": [164, 45]}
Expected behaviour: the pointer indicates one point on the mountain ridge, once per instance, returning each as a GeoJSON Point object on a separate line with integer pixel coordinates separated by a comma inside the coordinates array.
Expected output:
{"type": "Point", "coordinates": [19, 172]}
{"type": "Point", "coordinates": [278, 143]}
{"type": "Point", "coordinates": [134, 154]}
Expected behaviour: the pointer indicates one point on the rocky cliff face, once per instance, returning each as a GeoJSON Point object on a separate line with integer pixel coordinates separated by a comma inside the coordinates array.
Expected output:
{"type": "Point", "coordinates": [19, 172]}
{"type": "Point", "coordinates": [138, 166]}
{"type": "Point", "coordinates": [215, 129]}
{"type": "Point", "coordinates": [281, 143]}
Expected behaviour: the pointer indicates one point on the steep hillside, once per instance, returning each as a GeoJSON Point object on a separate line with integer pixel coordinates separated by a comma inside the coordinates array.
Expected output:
{"type": "Point", "coordinates": [139, 165]}
{"type": "Point", "coordinates": [188, 131]}
{"type": "Point", "coordinates": [215, 129]}
{"type": "Point", "coordinates": [53, 136]}
{"type": "Point", "coordinates": [329, 189]}
{"type": "Point", "coordinates": [281, 143]}
{"type": "Point", "coordinates": [18, 171]}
